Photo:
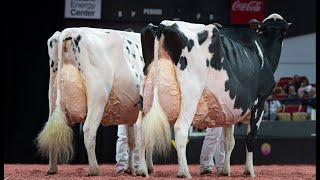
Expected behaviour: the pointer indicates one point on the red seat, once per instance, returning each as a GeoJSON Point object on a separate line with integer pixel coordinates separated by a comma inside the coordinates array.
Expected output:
{"type": "Point", "coordinates": [279, 96]}
{"type": "Point", "coordinates": [292, 108]}
{"type": "Point", "coordinates": [284, 81]}
{"type": "Point", "coordinates": [313, 84]}
{"type": "Point", "coordinates": [303, 109]}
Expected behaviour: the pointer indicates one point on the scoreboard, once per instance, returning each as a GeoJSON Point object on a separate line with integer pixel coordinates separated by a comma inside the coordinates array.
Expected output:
{"type": "Point", "coordinates": [202, 11]}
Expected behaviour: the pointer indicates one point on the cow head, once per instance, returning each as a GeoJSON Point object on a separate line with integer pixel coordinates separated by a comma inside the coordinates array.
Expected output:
{"type": "Point", "coordinates": [274, 23]}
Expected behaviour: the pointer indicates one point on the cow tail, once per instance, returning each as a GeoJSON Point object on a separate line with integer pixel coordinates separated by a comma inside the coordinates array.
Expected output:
{"type": "Point", "coordinates": [155, 126]}
{"type": "Point", "coordinates": [56, 136]}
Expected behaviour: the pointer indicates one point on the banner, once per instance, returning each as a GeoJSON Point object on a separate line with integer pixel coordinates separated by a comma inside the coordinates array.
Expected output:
{"type": "Point", "coordinates": [82, 9]}
{"type": "Point", "coordinates": [242, 11]}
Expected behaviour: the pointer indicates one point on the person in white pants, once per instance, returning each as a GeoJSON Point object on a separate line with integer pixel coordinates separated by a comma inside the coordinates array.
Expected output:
{"type": "Point", "coordinates": [212, 147]}
{"type": "Point", "coordinates": [122, 151]}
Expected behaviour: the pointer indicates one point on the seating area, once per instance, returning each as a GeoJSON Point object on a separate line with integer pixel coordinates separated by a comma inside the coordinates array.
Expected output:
{"type": "Point", "coordinates": [294, 105]}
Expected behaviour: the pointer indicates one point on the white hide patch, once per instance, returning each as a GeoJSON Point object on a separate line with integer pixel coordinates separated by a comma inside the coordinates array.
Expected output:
{"type": "Point", "coordinates": [260, 54]}
{"type": "Point", "coordinates": [256, 102]}
{"type": "Point", "coordinates": [259, 122]}
{"type": "Point", "coordinates": [222, 59]}
{"type": "Point", "coordinates": [216, 85]}
{"type": "Point", "coordinates": [273, 16]}
{"type": "Point", "coordinates": [246, 53]}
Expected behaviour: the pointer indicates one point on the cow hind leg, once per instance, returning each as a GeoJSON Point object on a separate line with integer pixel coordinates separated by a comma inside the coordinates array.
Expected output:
{"type": "Point", "coordinates": [90, 128]}
{"type": "Point", "coordinates": [150, 163]}
{"type": "Point", "coordinates": [53, 161]}
{"type": "Point", "coordinates": [97, 99]}
{"type": "Point", "coordinates": [181, 134]}
{"type": "Point", "coordinates": [249, 170]}
{"type": "Point", "coordinates": [131, 145]}
{"type": "Point", "coordinates": [142, 169]}
{"type": "Point", "coordinates": [229, 143]}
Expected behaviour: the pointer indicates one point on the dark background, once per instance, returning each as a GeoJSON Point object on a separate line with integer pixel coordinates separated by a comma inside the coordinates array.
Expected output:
{"type": "Point", "coordinates": [26, 69]}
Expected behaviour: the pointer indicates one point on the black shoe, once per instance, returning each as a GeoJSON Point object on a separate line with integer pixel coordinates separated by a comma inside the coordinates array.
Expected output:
{"type": "Point", "coordinates": [206, 172]}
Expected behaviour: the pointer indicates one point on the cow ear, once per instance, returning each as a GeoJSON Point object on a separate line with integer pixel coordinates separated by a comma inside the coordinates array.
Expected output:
{"type": "Point", "coordinates": [255, 24]}
{"type": "Point", "coordinates": [289, 26]}
{"type": "Point", "coordinates": [217, 24]}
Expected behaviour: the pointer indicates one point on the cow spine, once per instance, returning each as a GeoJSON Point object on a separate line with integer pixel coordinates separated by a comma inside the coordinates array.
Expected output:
{"type": "Point", "coordinates": [56, 136]}
{"type": "Point", "coordinates": [156, 131]}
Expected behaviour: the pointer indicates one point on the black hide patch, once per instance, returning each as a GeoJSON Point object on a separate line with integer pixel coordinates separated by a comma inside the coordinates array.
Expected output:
{"type": "Point", "coordinates": [77, 40]}
{"type": "Point", "coordinates": [52, 63]}
{"type": "Point", "coordinates": [147, 41]}
{"type": "Point", "coordinates": [129, 42]}
{"type": "Point", "coordinates": [128, 49]}
{"type": "Point", "coordinates": [50, 44]}
{"type": "Point", "coordinates": [250, 139]}
{"type": "Point", "coordinates": [141, 103]}
{"type": "Point", "coordinates": [183, 63]}
{"type": "Point", "coordinates": [66, 39]}
{"type": "Point", "coordinates": [190, 44]}
{"type": "Point", "coordinates": [202, 36]}
{"type": "Point", "coordinates": [247, 81]}
{"type": "Point", "coordinates": [207, 62]}
{"type": "Point", "coordinates": [174, 42]}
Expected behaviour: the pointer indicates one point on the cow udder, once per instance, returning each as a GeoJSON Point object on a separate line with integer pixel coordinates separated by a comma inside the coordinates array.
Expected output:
{"type": "Point", "coordinates": [73, 96]}
{"type": "Point", "coordinates": [168, 89]}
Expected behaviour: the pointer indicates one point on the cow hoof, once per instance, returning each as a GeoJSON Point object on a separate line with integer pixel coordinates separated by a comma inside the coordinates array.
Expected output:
{"type": "Point", "coordinates": [141, 173]}
{"type": "Point", "coordinates": [222, 173]}
{"type": "Point", "coordinates": [93, 174]}
{"type": "Point", "coordinates": [247, 173]}
{"type": "Point", "coordinates": [206, 172]}
{"type": "Point", "coordinates": [51, 172]}
{"type": "Point", "coordinates": [130, 172]}
{"type": "Point", "coordinates": [151, 171]}
{"type": "Point", "coordinates": [182, 175]}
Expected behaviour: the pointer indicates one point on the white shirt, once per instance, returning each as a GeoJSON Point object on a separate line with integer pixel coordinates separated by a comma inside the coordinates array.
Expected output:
{"type": "Point", "coordinates": [274, 105]}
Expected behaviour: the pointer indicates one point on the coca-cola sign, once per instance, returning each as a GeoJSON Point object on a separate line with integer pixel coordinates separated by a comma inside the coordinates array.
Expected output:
{"type": "Point", "coordinates": [244, 10]}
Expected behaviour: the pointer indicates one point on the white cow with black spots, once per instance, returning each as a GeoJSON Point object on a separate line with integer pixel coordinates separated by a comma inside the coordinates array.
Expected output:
{"type": "Point", "coordinates": [208, 76]}
{"type": "Point", "coordinates": [95, 77]}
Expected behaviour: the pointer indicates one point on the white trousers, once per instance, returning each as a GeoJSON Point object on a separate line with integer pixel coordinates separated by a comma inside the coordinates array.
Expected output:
{"type": "Point", "coordinates": [122, 151]}
{"type": "Point", "coordinates": [212, 148]}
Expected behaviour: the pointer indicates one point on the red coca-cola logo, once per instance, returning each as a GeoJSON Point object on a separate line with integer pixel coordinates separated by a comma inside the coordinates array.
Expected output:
{"type": "Point", "coordinates": [252, 6]}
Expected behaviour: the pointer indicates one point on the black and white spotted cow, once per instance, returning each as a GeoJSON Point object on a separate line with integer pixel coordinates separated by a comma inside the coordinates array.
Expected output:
{"type": "Point", "coordinates": [208, 76]}
{"type": "Point", "coordinates": [95, 77]}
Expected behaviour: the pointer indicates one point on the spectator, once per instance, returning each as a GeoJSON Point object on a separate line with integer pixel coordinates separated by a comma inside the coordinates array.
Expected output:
{"type": "Point", "coordinates": [311, 101]}
{"type": "Point", "coordinates": [296, 83]}
{"type": "Point", "coordinates": [277, 91]}
{"type": "Point", "coordinates": [122, 151]}
{"type": "Point", "coordinates": [271, 108]}
{"type": "Point", "coordinates": [212, 151]}
{"type": "Point", "coordinates": [292, 97]}
{"type": "Point", "coordinates": [305, 87]}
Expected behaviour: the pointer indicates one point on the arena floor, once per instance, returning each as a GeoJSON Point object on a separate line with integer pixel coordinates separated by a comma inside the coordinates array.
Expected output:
{"type": "Point", "coordinates": [107, 171]}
